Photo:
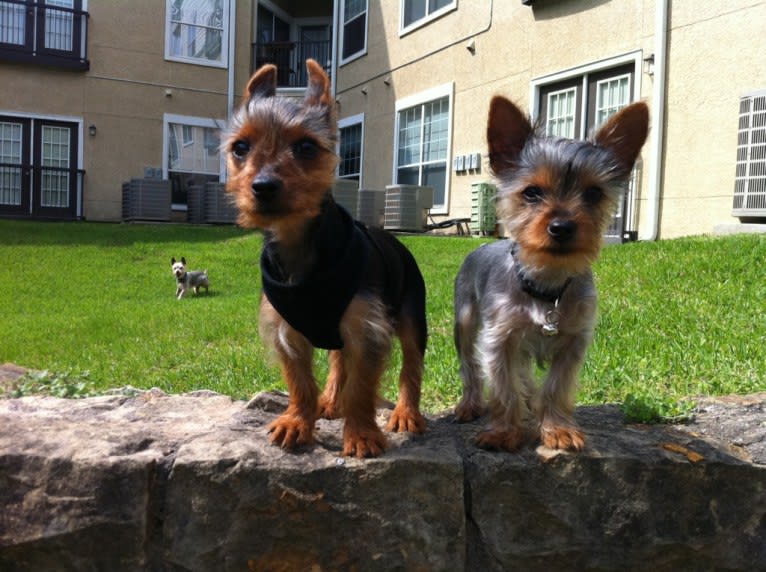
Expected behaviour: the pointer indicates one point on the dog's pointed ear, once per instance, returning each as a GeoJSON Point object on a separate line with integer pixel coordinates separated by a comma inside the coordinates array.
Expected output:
{"type": "Point", "coordinates": [508, 129]}
{"type": "Point", "coordinates": [318, 90]}
{"type": "Point", "coordinates": [183, 261]}
{"type": "Point", "coordinates": [263, 83]}
{"type": "Point", "coordinates": [173, 260]}
{"type": "Point", "coordinates": [625, 133]}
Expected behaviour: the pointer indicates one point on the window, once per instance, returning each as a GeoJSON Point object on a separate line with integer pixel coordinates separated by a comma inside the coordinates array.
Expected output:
{"type": "Point", "coordinates": [351, 131]}
{"type": "Point", "coordinates": [415, 13]}
{"type": "Point", "coordinates": [11, 163]}
{"type": "Point", "coordinates": [560, 120]}
{"type": "Point", "coordinates": [353, 33]}
{"type": "Point", "coordinates": [197, 31]}
{"type": "Point", "coordinates": [422, 143]}
{"type": "Point", "coordinates": [48, 32]}
{"type": "Point", "coordinates": [191, 154]}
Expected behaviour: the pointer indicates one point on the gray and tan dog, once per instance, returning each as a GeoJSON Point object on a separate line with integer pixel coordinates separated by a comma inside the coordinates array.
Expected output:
{"type": "Point", "coordinates": [532, 298]}
{"type": "Point", "coordinates": [188, 279]}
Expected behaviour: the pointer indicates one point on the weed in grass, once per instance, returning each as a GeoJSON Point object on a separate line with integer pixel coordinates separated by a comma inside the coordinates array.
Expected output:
{"type": "Point", "coordinates": [66, 384]}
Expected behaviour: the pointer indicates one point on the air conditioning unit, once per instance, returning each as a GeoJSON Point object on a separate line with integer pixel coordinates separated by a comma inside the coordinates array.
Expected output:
{"type": "Point", "coordinates": [195, 204]}
{"type": "Point", "coordinates": [346, 194]}
{"type": "Point", "coordinates": [750, 178]}
{"type": "Point", "coordinates": [219, 205]}
{"type": "Point", "coordinates": [146, 199]}
{"type": "Point", "coordinates": [371, 208]}
{"type": "Point", "coordinates": [407, 207]}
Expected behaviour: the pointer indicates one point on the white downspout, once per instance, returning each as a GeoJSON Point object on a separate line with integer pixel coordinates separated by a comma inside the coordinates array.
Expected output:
{"type": "Point", "coordinates": [232, 49]}
{"type": "Point", "coordinates": [657, 132]}
{"type": "Point", "coordinates": [334, 47]}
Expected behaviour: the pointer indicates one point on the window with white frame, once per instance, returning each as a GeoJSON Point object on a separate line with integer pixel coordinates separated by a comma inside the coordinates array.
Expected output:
{"type": "Point", "coordinates": [574, 106]}
{"type": "Point", "coordinates": [422, 143]}
{"type": "Point", "coordinates": [197, 31]}
{"type": "Point", "coordinates": [611, 95]}
{"type": "Point", "coordinates": [415, 13]}
{"type": "Point", "coordinates": [353, 32]}
{"type": "Point", "coordinates": [191, 154]}
{"type": "Point", "coordinates": [351, 137]}
{"type": "Point", "coordinates": [560, 119]}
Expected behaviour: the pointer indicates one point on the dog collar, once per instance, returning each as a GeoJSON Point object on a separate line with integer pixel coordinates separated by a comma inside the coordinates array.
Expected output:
{"type": "Point", "coordinates": [550, 295]}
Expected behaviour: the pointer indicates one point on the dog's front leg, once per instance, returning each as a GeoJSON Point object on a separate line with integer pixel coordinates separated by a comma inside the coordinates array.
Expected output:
{"type": "Point", "coordinates": [367, 342]}
{"type": "Point", "coordinates": [296, 425]}
{"type": "Point", "coordinates": [555, 403]}
{"type": "Point", "coordinates": [507, 370]}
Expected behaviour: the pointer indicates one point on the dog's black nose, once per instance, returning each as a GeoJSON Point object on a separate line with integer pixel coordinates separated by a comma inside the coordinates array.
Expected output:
{"type": "Point", "coordinates": [562, 230]}
{"type": "Point", "coordinates": [266, 188]}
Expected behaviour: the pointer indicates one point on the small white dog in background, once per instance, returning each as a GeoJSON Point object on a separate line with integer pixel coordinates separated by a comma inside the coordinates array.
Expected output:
{"type": "Point", "coordinates": [191, 279]}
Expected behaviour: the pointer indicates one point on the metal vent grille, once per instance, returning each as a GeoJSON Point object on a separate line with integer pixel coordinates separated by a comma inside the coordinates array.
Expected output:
{"type": "Point", "coordinates": [750, 180]}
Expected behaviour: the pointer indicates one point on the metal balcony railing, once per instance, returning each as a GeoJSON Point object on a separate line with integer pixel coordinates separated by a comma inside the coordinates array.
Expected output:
{"type": "Point", "coordinates": [40, 33]}
{"type": "Point", "coordinates": [289, 57]}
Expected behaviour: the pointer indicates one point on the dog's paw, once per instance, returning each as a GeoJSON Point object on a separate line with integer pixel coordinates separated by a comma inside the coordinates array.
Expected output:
{"type": "Point", "coordinates": [363, 443]}
{"type": "Point", "coordinates": [564, 438]}
{"type": "Point", "coordinates": [406, 419]}
{"type": "Point", "coordinates": [501, 439]}
{"type": "Point", "coordinates": [468, 411]}
{"type": "Point", "coordinates": [328, 409]}
{"type": "Point", "coordinates": [289, 431]}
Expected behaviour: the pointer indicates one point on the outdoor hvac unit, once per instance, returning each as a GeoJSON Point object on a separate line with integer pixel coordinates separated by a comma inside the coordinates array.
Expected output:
{"type": "Point", "coordinates": [346, 194]}
{"type": "Point", "coordinates": [407, 207]}
{"type": "Point", "coordinates": [219, 206]}
{"type": "Point", "coordinates": [371, 208]}
{"type": "Point", "coordinates": [146, 199]}
{"type": "Point", "coordinates": [483, 217]}
{"type": "Point", "coordinates": [750, 179]}
{"type": "Point", "coordinates": [195, 204]}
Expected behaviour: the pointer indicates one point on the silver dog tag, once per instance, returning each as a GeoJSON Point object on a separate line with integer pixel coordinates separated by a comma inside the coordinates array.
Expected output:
{"type": "Point", "coordinates": [551, 325]}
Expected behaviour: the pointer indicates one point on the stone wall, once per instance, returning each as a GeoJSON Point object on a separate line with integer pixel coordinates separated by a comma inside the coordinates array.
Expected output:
{"type": "Point", "coordinates": [189, 482]}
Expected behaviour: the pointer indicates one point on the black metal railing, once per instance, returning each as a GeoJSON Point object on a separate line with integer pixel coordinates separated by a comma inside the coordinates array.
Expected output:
{"type": "Point", "coordinates": [35, 32]}
{"type": "Point", "coordinates": [289, 57]}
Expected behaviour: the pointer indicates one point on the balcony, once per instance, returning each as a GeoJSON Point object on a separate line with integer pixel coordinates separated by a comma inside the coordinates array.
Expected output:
{"type": "Point", "coordinates": [289, 57]}
{"type": "Point", "coordinates": [43, 34]}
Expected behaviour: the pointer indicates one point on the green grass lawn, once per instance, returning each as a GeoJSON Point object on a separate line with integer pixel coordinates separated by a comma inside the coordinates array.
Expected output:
{"type": "Point", "coordinates": [94, 306]}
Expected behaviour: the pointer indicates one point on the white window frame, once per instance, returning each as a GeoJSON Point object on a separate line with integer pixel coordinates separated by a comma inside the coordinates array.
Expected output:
{"type": "Point", "coordinates": [341, 33]}
{"type": "Point", "coordinates": [357, 119]}
{"type": "Point", "coordinates": [193, 121]}
{"type": "Point", "coordinates": [403, 30]}
{"type": "Point", "coordinates": [222, 63]}
{"type": "Point", "coordinates": [537, 83]}
{"type": "Point", "coordinates": [438, 92]}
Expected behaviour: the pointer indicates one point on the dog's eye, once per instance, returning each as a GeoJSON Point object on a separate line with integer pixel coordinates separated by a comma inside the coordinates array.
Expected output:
{"type": "Point", "coordinates": [532, 195]}
{"type": "Point", "coordinates": [305, 149]}
{"type": "Point", "coordinates": [240, 149]}
{"type": "Point", "coordinates": [592, 195]}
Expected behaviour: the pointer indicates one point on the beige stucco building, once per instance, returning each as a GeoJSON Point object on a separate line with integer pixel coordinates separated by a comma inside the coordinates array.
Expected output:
{"type": "Point", "coordinates": [96, 92]}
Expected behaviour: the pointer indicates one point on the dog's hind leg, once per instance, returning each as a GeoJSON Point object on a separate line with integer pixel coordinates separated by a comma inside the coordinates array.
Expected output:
{"type": "Point", "coordinates": [328, 401]}
{"type": "Point", "coordinates": [406, 415]}
{"type": "Point", "coordinates": [471, 404]}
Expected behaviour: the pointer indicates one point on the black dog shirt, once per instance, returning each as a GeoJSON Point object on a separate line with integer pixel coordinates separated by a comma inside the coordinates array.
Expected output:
{"type": "Point", "coordinates": [315, 305]}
